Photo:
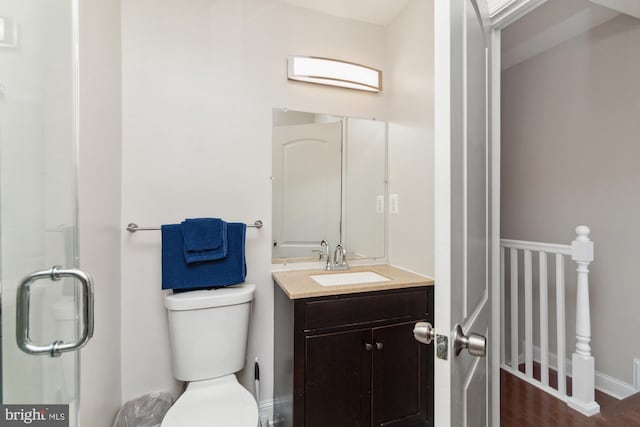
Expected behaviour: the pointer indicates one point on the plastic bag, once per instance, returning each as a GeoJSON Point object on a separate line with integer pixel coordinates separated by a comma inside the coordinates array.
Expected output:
{"type": "Point", "coordinates": [144, 411]}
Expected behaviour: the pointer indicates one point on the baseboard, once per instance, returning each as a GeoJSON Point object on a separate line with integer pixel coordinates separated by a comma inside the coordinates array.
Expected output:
{"type": "Point", "coordinates": [603, 382]}
{"type": "Point", "coordinates": [636, 373]}
{"type": "Point", "coordinates": [613, 386]}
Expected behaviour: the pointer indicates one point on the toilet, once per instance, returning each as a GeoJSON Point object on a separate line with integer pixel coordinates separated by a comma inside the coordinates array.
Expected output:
{"type": "Point", "coordinates": [208, 332]}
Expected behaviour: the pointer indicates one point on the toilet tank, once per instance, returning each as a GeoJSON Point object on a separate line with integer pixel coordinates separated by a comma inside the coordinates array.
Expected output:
{"type": "Point", "coordinates": [208, 330]}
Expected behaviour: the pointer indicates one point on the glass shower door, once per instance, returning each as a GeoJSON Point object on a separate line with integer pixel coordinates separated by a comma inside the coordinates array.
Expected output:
{"type": "Point", "coordinates": [38, 201]}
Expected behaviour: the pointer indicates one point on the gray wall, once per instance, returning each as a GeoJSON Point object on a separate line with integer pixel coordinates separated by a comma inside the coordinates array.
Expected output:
{"type": "Point", "coordinates": [570, 152]}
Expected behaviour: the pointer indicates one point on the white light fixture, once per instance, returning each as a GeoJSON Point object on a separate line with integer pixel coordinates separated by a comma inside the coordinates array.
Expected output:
{"type": "Point", "coordinates": [333, 72]}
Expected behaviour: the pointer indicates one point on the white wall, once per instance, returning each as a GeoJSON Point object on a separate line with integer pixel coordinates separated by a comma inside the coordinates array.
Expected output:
{"type": "Point", "coordinates": [409, 85]}
{"type": "Point", "coordinates": [570, 156]}
{"type": "Point", "coordinates": [99, 209]}
{"type": "Point", "coordinates": [199, 84]}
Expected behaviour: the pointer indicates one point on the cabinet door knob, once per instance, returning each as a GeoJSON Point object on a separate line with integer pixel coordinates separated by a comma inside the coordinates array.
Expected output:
{"type": "Point", "coordinates": [379, 345]}
{"type": "Point", "coordinates": [368, 346]}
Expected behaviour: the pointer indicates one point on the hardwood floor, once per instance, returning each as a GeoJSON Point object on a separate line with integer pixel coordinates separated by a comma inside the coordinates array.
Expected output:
{"type": "Point", "coordinates": [522, 404]}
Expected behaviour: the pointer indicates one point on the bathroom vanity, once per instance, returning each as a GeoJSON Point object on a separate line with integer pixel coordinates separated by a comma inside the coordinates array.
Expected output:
{"type": "Point", "coordinates": [345, 354]}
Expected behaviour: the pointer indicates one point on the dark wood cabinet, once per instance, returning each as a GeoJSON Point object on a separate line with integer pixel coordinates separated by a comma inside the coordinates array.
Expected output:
{"type": "Point", "coordinates": [351, 360]}
{"type": "Point", "coordinates": [398, 377]}
{"type": "Point", "coordinates": [337, 375]}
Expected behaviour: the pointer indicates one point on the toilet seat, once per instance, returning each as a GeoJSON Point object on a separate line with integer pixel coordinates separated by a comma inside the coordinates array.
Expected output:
{"type": "Point", "coordinates": [220, 402]}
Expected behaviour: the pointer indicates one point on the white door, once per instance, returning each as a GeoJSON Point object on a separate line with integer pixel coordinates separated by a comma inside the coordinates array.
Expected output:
{"type": "Point", "coordinates": [307, 169]}
{"type": "Point", "coordinates": [462, 380]}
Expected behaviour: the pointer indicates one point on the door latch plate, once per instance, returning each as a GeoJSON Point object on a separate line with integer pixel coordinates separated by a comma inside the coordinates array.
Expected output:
{"type": "Point", "coordinates": [442, 347]}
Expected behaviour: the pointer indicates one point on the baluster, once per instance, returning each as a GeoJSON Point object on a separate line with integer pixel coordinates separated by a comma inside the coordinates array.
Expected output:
{"type": "Point", "coordinates": [528, 314]}
{"type": "Point", "coordinates": [560, 324]}
{"type": "Point", "coordinates": [544, 320]}
{"type": "Point", "coordinates": [503, 303]}
{"type": "Point", "coordinates": [582, 361]}
{"type": "Point", "coordinates": [514, 309]}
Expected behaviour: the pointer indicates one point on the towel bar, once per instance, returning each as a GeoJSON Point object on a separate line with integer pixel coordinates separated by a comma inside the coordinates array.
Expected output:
{"type": "Point", "coordinates": [132, 227]}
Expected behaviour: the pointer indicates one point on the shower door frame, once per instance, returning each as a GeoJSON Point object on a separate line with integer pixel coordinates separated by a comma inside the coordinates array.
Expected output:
{"type": "Point", "coordinates": [70, 235]}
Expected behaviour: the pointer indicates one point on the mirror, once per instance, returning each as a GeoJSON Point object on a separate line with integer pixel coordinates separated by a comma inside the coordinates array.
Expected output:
{"type": "Point", "coordinates": [329, 183]}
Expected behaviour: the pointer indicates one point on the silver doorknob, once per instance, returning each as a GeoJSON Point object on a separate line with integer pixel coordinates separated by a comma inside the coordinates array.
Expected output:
{"type": "Point", "coordinates": [423, 332]}
{"type": "Point", "coordinates": [476, 344]}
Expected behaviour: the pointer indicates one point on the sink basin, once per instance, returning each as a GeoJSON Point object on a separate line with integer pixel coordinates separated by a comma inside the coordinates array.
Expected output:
{"type": "Point", "coordinates": [348, 278]}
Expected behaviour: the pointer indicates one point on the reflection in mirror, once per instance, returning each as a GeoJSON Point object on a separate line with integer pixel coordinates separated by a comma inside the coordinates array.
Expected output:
{"type": "Point", "coordinates": [365, 185]}
{"type": "Point", "coordinates": [306, 173]}
{"type": "Point", "coordinates": [329, 183]}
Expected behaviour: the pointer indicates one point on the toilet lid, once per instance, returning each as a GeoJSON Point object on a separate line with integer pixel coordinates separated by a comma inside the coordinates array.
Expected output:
{"type": "Point", "coordinates": [221, 402]}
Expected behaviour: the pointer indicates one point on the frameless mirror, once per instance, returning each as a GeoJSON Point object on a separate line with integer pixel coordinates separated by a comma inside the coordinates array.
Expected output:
{"type": "Point", "coordinates": [329, 183]}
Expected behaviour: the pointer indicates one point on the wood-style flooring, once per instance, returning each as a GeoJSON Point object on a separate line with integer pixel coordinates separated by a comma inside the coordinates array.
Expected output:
{"type": "Point", "coordinates": [522, 404]}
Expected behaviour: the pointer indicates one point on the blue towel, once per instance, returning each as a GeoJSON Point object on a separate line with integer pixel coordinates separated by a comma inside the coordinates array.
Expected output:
{"type": "Point", "coordinates": [205, 239]}
{"type": "Point", "coordinates": [177, 274]}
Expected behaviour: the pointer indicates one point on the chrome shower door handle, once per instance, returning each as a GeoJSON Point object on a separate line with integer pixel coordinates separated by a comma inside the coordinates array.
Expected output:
{"type": "Point", "coordinates": [23, 303]}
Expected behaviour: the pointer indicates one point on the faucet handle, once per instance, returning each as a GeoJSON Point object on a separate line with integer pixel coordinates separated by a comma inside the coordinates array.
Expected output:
{"type": "Point", "coordinates": [319, 252]}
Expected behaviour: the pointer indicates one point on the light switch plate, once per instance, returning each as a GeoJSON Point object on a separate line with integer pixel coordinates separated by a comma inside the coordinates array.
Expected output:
{"type": "Point", "coordinates": [8, 32]}
{"type": "Point", "coordinates": [393, 204]}
{"type": "Point", "coordinates": [380, 204]}
{"type": "Point", "coordinates": [3, 29]}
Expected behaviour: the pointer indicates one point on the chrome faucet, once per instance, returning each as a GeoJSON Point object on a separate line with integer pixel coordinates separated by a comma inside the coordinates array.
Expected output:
{"type": "Point", "coordinates": [326, 256]}
{"type": "Point", "coordinates": [339, 261]}
{"type": "Point", "coordinates": [340, 253]}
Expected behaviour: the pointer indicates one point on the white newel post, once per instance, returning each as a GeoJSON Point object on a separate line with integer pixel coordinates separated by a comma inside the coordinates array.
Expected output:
{"type": "Point", "coordinates": [583, 379]}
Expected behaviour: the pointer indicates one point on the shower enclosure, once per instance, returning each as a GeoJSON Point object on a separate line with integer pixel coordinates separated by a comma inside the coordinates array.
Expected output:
{"type": "Point", "coordinates": [38, 201]}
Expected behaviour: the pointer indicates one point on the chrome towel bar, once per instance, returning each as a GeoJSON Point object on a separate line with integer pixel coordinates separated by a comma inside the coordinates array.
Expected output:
{"type": "Point", "coordinates": [132, 227]}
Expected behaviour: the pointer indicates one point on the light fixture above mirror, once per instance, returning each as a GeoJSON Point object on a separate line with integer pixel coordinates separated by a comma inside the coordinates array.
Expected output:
{"type": "Point", "coordinates": [333, 72]}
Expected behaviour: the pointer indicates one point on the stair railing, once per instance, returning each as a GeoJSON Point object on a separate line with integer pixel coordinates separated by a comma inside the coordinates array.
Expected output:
{"type": "Point", "coordinates": [582, 362]}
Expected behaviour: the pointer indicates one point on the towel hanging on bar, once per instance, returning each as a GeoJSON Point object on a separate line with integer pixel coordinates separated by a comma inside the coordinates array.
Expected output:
{"type": "Point", "coordinates": [177, 273]}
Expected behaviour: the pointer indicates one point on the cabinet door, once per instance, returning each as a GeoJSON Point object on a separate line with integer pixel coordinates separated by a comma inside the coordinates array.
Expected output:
{"type": "Point", "coordinates": [337, 379]}
{"type": "Point", "coordinates": [400, 385]}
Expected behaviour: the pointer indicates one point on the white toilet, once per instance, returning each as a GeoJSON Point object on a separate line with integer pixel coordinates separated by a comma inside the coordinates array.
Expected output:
{"type": "Point", "coordinates": [208, 331]}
